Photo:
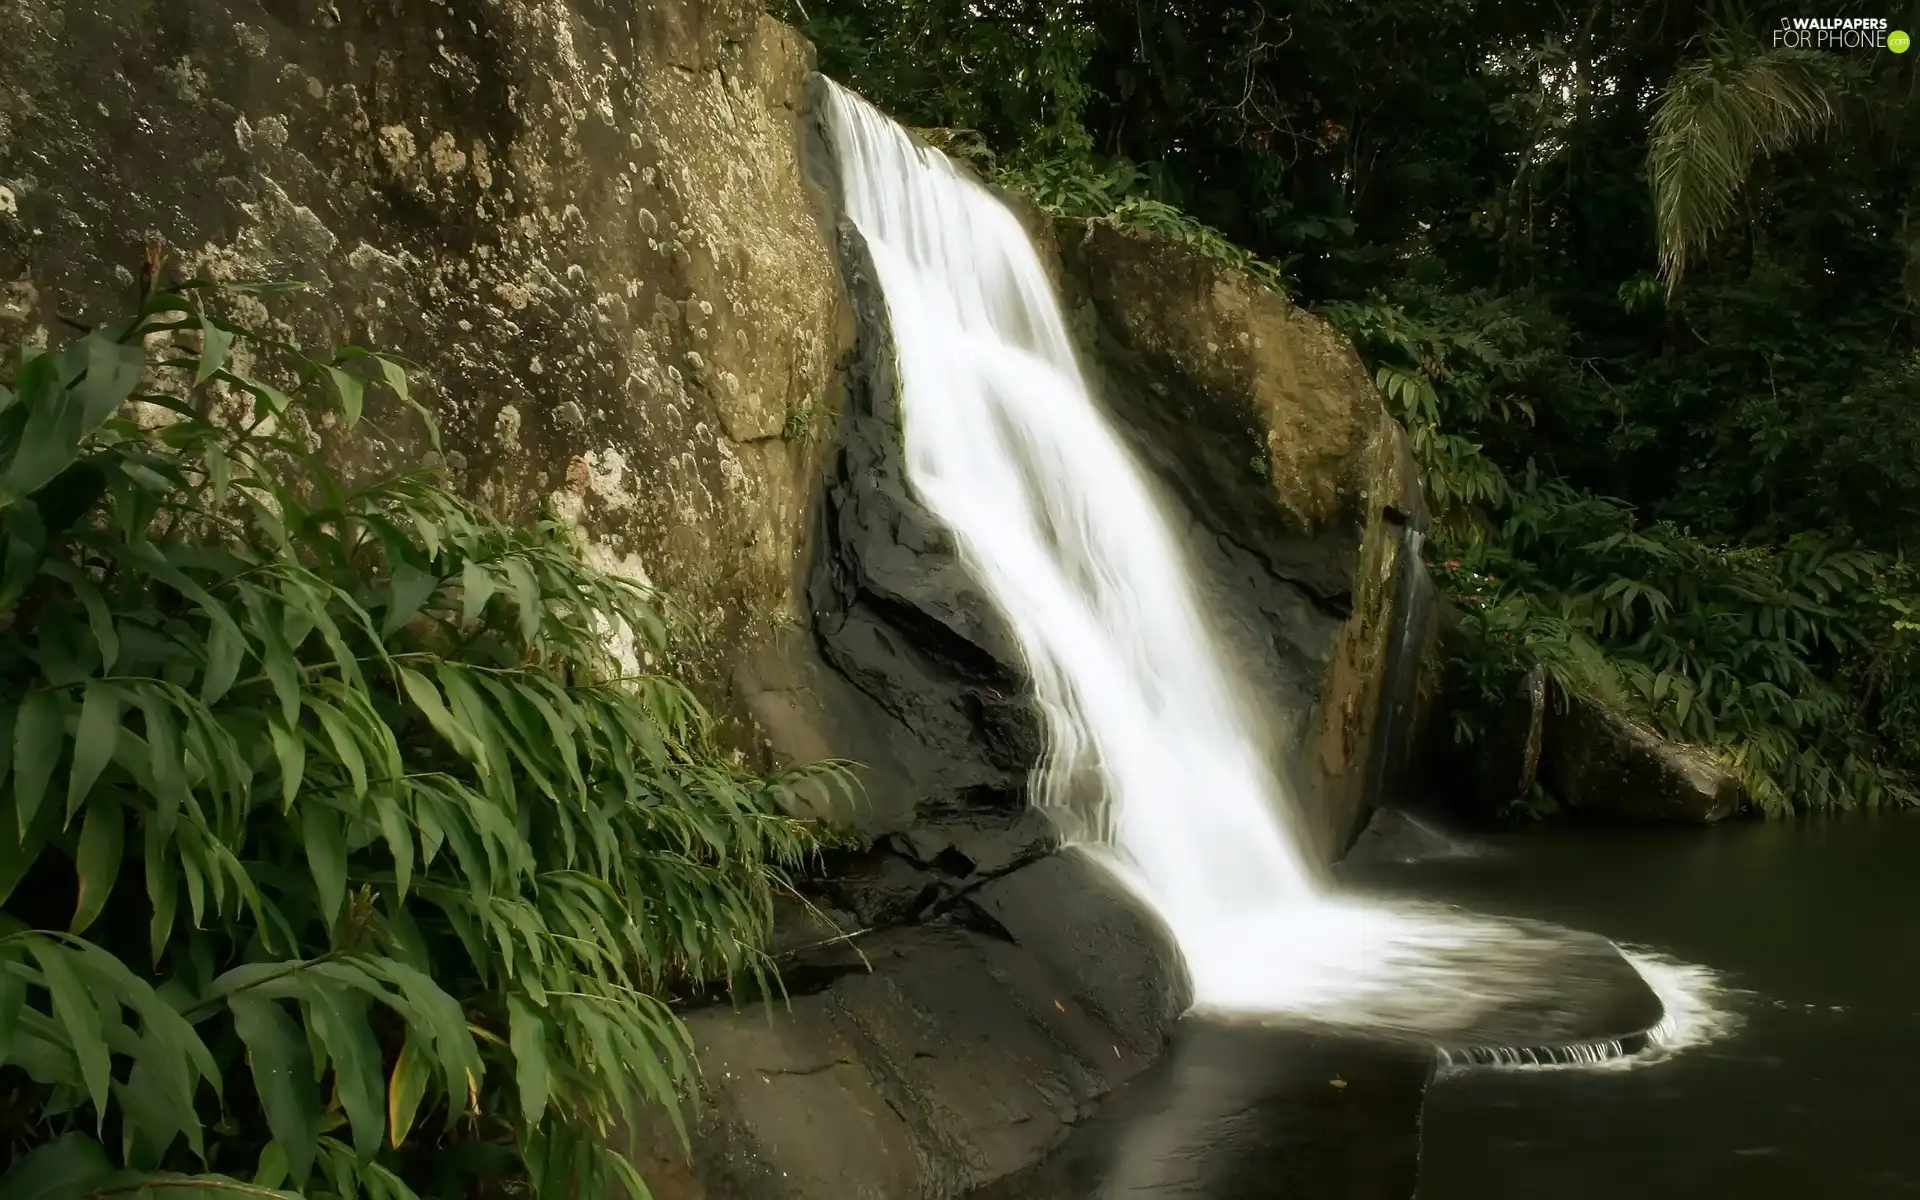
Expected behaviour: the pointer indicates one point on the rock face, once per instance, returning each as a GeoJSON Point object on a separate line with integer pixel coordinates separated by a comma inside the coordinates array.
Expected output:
{"type": "Point", "coordinates": [586, 222]}
{"type": "Point", "coordinates": [1505, 768]}
{"type": "Point", "coordinates": [1604, 764]}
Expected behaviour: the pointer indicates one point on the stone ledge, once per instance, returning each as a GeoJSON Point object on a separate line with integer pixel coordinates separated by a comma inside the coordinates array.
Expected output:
{"type": "Point", "coordinates": [953, 1059]}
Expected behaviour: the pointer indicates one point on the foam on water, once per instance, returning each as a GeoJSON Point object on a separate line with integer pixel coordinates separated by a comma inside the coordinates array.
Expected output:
{"type": "Point", "coordinates": [1152, 763]}
{"type": "Point", "coordinates": [1693, 1014]}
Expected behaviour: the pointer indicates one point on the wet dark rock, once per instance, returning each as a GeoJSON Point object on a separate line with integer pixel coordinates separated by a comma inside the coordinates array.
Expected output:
{"type": "Point", "coordinates": [896, 613]}
{"type": "Point", "coordinates": [1394, 835]}
{"type": "Point", "coordinates": [1602, 763]}
{"type": "Point", "coordinates": [981, 846]}
{"type": "Point", "coordinates": [957, 1059]}
{"type": "Point", "coordinates": [1579, 991]}
{"type": "Point", "coordinates": [1506, 764]}
{"type": "Point", "coordinates": [1113, 954]}
{"type": "Point", "coordinates": [883, 889]}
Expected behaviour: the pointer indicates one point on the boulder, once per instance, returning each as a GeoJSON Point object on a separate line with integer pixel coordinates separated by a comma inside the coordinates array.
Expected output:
{"type": "Point", "coordinates": [1602, 763]}
{"type": "Point", "coordinates": [1395, 835]}
{"type": "Point", "coordinates": [953, 1059]}
{"type": "Point", "coordinates": [586, 223]}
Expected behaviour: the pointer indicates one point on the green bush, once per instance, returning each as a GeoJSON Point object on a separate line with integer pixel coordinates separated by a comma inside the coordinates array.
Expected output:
{"type": "Point", "coordinates": [1794, 662]}
{"type": "Point", "coordinates": [340, 854]}
{"type": "Point", "coordinates": [1070, 185]}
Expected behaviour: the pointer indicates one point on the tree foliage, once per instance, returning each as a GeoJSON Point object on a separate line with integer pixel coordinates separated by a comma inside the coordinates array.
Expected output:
{"type": "Point", "coordinates": [348, 846]}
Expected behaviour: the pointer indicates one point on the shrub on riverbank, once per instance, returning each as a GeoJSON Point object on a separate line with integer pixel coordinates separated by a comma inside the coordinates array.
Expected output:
{"type": "Point", "coordinates": [348, 843]}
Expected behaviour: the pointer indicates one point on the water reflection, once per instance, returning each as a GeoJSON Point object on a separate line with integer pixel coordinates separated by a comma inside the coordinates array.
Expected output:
{"type": "Point", "coordinates": [1238, 1111]}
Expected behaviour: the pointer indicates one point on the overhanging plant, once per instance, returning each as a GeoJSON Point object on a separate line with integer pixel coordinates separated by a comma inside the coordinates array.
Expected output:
{"type": "Point", "coordinates": [340, 854]}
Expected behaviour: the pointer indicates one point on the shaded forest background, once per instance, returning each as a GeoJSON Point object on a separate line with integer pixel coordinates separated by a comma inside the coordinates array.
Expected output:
{"type": "Point", "coordinates": [1690, 492]}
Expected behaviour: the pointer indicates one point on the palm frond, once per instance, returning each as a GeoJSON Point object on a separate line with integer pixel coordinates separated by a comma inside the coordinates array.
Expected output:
{"type": "Point", "coordinates": [1715, 119]}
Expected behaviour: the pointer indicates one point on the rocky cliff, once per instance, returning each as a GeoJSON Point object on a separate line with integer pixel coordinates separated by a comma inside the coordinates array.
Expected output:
{"type": "Point", "coordinates": [585, 221]}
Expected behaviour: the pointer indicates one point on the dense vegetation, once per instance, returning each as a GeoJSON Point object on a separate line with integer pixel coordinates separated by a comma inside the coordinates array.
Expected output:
{"type": "Point", "coordinates": [350, 844]}
{"type": "Point", "coordinates": [1641, 285]}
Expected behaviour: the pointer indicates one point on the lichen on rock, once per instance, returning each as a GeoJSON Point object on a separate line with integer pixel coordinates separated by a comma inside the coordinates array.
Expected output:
{"type": "Point", "coordinates": [586, 225]}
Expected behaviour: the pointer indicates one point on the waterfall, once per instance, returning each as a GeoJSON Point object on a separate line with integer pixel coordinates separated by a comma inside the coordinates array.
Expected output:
{"type": "Point", "coordinates": [1399, 688]}
{"type": "Point", "coordinates": [1152, 763]}
{"type": "Point", "coordinates": [1005, 443]}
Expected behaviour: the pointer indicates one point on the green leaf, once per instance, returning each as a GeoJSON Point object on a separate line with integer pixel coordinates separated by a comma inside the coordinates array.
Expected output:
{"type": "Point", "coordinates": [26, 550]}
{"type": "Point", "coordinates": [69, 1167]}
{"type": "Point", "coordinates": [226, 650]}
{"type": "Point", "coordinates": [152, 1105]}
{"type": "Point", "coordinates": [13, 999]}
{"type": "Point", "coordinates": [272, 1171]}
{"type": "Point", "coordinates": [74, 1009]}
{"type": "Point", "coordinates": [340, 1019]}
{"type": "Point", "coordinates": [57, 421]}
{"type": "Point", "coordinates": [219, 473]}
{"type": "Point", "coordinates": [99, 618]}
{"type": "Point", "coordinates": [97, 861]}
{"type": "Point", "coordinates": [38, 739]}
{"type": "Point", "coordinates": [526, 596]}
{"type": "Point", "coordinates": [276, 658]}
{"type": "Point", "coordinates": [166, 758]}
{"type": "Point", "coordinates": [399, 834]}
{"type": "Point", "coordinates": [340, 733]}
{"type": "Point", "coordinates": [527, 1035]}
{"type": "Point", "coordinates": [352, 392]}
{"type": "Point", "coordinates": [283, 1077]}
{"type": "Point", "coordinates": [439, 1014]}
{"type": "Point", "coordinates": [405, 1089]}
{"type": "Point", "coordinates": [409, 589]}
{"type": "Point", "coordinates": [266, 398]}
{"type": "Point", "coordinates": [426, 698]}
{"type": "Point", "coordinates": [395, 376]}
{"type": "Point", "coordinates": [291, 751]}
{"type": "Point", "coordinates": [18, 853]}
{"type": "Point", "coordinates": [215, 344]}
{"type": "Point", "coordinates": [325, 838]}
{"type": "Point", "coordinates": [113, 371]}
{"type": "Point", "coordinates": [93, 741]}
{"type": "Point", "coordinates": [476, 588]}
{"type": "Point", "coordinates": [163, 887]}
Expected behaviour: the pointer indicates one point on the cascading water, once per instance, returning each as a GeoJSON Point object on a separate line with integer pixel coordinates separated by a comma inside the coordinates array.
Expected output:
{"type": "Point", "coordinates": [1004, 443]}
{"type": "Point", "coordinates": [1152, 765]}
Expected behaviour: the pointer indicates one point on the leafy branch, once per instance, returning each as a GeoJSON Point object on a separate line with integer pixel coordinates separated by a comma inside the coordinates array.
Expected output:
{"type": "Point", "coordinates": [386, 855]}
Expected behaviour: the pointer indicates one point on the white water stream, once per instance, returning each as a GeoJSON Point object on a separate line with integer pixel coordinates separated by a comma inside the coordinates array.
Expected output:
{"type": "Point", "coordinates": [1153, 761]}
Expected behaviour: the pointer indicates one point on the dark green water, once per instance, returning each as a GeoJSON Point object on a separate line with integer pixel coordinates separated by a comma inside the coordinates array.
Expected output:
{"type": "Point", "coordinates": [1815, 1093]}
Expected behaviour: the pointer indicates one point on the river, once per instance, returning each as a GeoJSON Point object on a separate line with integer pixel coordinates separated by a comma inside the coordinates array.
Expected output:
{"type": "Point", "coordinates": [1811, 927]}
{"type": "Point", "coordinates": [1809, 1090]}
